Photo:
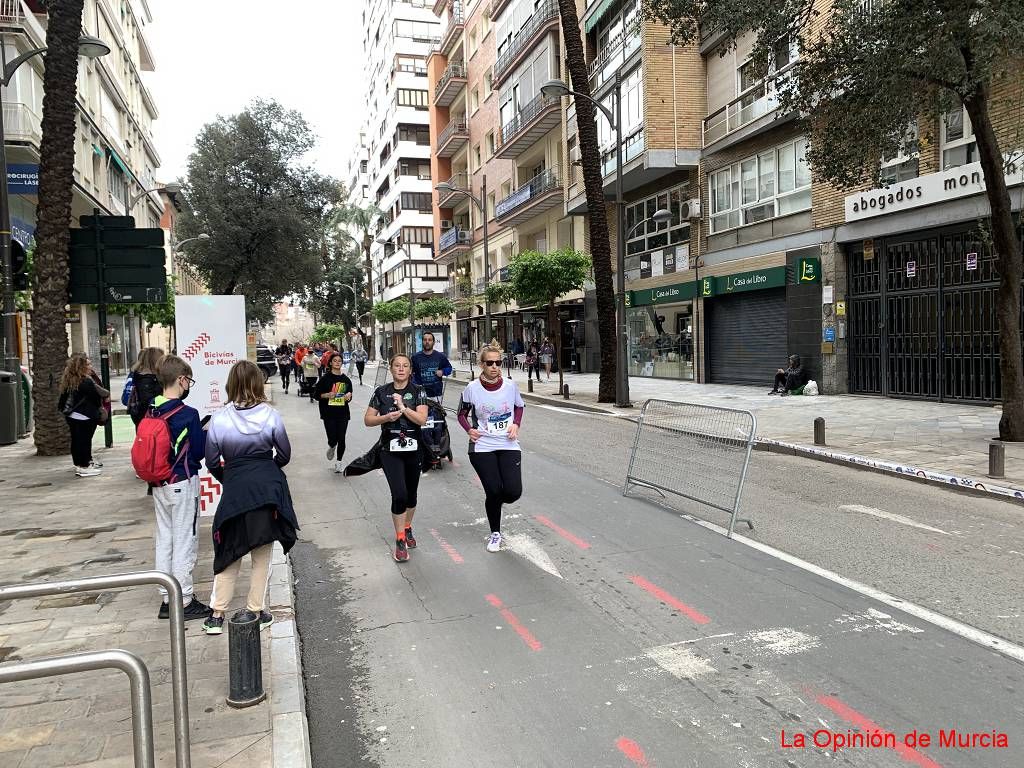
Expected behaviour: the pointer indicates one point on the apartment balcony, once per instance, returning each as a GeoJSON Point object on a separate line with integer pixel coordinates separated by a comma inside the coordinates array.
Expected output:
{"type": "Point", "coordinates": [456, 25]}
{"type": "Point", "coordinates": [458, 181]}
{"type": "Point", "coordinates": [542, 193]}
{"type": "Point", "coordinates": [453, 138]}
{"type": "Point", "coordinates": [619, 50]}
{"type": "Point", "coordinates": [496, 7]}
{"type": "Point", "coordinates": [531, 125]}
{"type": "Point", "coordinates": [737, 119]}
{"type": "Point", "coordinates": [454, 242]}
{"type": "Point", "coordinates": [450, 85]}
{"type": "Point", "coordinates": [22, 124]}
{"type": "Point", "coordinates": [17, 13]}
{"type": "Point", "coordinates": [544, 20]}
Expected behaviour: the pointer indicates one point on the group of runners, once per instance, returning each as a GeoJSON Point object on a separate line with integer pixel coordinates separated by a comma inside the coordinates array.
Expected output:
{"type": "Point", "coordinates": [490, 411]}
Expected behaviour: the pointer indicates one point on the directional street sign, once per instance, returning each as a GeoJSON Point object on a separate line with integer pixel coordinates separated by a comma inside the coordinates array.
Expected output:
{"type": "Point", "coordinates": [127, 263]}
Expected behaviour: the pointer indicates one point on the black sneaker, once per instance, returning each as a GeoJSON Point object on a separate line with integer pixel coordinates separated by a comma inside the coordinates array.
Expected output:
{"type": "Point", "coordinates": [410, 540]}
{"type": "Point", "coordinates": [266, 619]}
{"type": "Point", "coordinates": [401, 551]}
{"type": "Point", "coordinates": [214, 625]}
{"type": "Point", "coordinates": [196, 610]}
{"type": "Point", "coordinates": [165, 611]}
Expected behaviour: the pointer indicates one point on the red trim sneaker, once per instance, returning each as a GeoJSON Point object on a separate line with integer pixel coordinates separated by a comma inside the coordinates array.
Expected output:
{"type": "Point", "coordinates": [401, 551]}
{"type": "Point", "coordinates": [410, 540]}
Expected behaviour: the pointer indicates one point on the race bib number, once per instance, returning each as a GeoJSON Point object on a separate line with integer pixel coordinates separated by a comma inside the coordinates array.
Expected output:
{"type": "Point", "coordinates": [498, 424]}
{"type": "Point", "coordinates": [401, 444]}
{"type": "Point", "coordinates": [338, 395]}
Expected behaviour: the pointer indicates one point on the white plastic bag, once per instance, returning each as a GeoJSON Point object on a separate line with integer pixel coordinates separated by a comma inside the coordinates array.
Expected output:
{"type": "Point", "coordinates": [812, 388]}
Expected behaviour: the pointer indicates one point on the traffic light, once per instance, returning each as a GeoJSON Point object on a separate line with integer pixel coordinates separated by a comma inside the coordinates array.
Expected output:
{"type": "Point", "coordinates": [19, 266]}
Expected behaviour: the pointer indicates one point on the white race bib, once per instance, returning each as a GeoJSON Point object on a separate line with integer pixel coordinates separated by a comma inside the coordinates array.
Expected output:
{"type": "Point", "coordinates": [398, 445]}
{"type": "Point", "coordinates": [498, 424]}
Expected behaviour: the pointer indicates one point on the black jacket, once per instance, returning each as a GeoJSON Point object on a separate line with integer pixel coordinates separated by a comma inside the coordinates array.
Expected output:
{"type": "Point", "coordinates": [86, 400]}
{"type": "Point", "coordinates": [146, 389]}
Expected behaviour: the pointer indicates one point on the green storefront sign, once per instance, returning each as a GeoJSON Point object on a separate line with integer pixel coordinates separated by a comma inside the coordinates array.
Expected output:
{"type": "Point", "coordinates": [664, 294]}
{"type": "Point", "coordinates": [757, 280]}
{"type": "Point", "coordinates": [809, 271]}
{"type": "Point", "coordinates": [709, 287]}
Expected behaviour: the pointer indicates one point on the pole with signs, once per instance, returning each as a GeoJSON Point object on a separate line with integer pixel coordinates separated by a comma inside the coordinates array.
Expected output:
{"type": "Point", "coordinates": [101, 316]}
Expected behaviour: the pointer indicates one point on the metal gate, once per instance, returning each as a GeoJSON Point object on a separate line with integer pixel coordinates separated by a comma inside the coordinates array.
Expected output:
{"type": "Point", "coordinates": [747, 337]}
{"type": "Point", "coordinates": [922, 324]}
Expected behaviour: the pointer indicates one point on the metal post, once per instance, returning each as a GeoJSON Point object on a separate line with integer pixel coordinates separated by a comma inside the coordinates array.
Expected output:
{"type": "Point", "coordinates": [129, 663]}
{"type": "Point", "coordinates": [565, 391]}
{"type": "Point", "coordinates": [179, 673]}
{"type": "Point", "coordinates": [245, 664]}
{"type": "Point", "coordinates": [819, 431]}
{"type": "Point", "coordinates": [697, 328]}
{"type": "Point", "coordinates": [101, 319]}
{"type": "Point", "coordinates": [996, 459]}
{"type": "Point", "coordinates": [621, 369]}
{"type": "Point", "coordinates": [487, 259]}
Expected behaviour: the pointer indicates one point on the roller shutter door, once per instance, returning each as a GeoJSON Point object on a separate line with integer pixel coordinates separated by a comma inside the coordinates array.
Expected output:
{"type": "Point", "coordinates": [747, 337]}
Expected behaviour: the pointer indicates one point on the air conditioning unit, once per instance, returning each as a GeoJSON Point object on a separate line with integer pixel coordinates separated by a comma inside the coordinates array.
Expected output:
{"type": "Point", "coordinates": [446, 224]}
{"type": "Point", "coordinates": [690, 209]}
{"type": "Point", "coordinates": [575, 156]}
{"type": "Point", "coordinates": [465, 238]}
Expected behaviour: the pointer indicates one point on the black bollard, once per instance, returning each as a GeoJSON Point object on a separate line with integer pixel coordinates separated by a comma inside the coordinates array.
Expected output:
{"type": "Point", "coordinates": [565, 391]}
{"type": "Point", "coordinates": [245, 663]}
{"type": "Point", "coordinates": [529, 385]}
{"type": "Point", "coordinates": [996, 459]}
{"type": "Point", "coordinates": [819, 431]}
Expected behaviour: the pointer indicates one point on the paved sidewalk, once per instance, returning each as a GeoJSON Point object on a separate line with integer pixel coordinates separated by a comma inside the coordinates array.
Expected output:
{"type": "Point", "coordinates": [55, 526]}
{"type": "Point", "coordinates": [942, 438]}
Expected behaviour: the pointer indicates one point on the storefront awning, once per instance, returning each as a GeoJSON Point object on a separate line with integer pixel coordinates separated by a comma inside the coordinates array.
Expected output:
{"type": "Point", "coordinates": [594, 16]}
{"type": "Point", "coordinates": [121, 164]}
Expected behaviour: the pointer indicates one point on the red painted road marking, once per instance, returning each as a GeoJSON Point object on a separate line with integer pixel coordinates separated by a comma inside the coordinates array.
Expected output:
{"type": "Point", "coordinates": [665, 597]}
{"type": "Point", "coordinates": [452, 552]}
{"type": "Point", "coordinates": [514, 622]}
{"type": "Point", "coordinates": [562, 532]}
{"type": "Point", "coordinates": [632, 751]}
{"type": "Point", "coordinates": [862, 723]}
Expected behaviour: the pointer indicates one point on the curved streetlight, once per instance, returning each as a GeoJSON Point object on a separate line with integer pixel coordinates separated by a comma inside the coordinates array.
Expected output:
{"type": "Point", "coordinates": [171, 189]}
{"type": "Point", "coordinates": [556, 88]}
{"type": "Point", "coordinates": [480, 203]}
{"type": "Point", "coordinates": [90, 48]}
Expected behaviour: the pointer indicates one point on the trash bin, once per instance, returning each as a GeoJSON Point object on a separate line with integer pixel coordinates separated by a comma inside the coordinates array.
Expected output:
{"type": "Point", "coordinates": [10, 402]}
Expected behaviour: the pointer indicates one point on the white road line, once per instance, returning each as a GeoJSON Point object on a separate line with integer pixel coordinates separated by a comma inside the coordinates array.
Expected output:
{"type": "Point", "coordinates": [975, 635]}
{"type": "Point", "coordinates": [901, 519]}
{"type": "Point", "coordinates": [530, 550]}
{"type": "Point", "coordinates": [680, 662]}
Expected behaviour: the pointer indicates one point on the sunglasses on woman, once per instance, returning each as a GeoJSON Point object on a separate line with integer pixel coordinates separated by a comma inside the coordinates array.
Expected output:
{"type": "Point", "coordinates": [492, 362]}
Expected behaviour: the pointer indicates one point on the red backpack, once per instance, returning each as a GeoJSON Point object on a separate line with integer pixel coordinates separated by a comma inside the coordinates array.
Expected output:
{"type": "Point", "coordinates": [151, 451]}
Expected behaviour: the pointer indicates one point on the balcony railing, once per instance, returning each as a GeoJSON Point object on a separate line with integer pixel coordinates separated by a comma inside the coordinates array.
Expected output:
{"type": "Point", "coordinates": [542, 17]}
{"type": "Point", "coordinates": [527, 114]}
{"type": "Point", "coordinates": [615, 53]}
{"type": "Point", "coordinates": [16, 13]}
{"type": "Point", "coordinates": [495, 8]}
{"type": "Point", "coordinates": [456, 23]}
{"type": "Point", "coordinates": [453, 132]}
{"type": "Point", "coordinates": [754, 103]}
{"type": "Point", "coordinates": [444, 96]}
{"type": "Point", "coordinates": [21, 123]}
{"type": "Point", "coordinates": [545, 181]}
{"type": "Point", "coordinates": [459, 181]}
{"type": "Point", "coordinates": [632, 147]}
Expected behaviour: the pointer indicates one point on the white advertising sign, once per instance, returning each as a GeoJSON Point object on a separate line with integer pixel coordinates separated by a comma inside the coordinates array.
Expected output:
{"type": "Point", "coordinates": [211, 338]}
{"type": "Point", "coordinates": [962, 181]}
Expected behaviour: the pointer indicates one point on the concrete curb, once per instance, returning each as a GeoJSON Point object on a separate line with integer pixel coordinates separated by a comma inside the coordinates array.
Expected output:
{"type": "Point", "coordinates": [290, 728]}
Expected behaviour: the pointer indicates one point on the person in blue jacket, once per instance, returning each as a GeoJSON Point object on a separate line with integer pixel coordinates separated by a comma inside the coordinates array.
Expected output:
{"type": "Point", "coordinates": [429, 367]}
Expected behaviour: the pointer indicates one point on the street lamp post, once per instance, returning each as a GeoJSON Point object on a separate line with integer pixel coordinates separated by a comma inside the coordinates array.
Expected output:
{"type": "Point", "coordinates": [480, 203]}
{"type": "Point", "coordinates": [558, 88]}
{"type": "Point", "coordinates": [91, 48]}
{"type": "Point", "coordinates": [172, 189]}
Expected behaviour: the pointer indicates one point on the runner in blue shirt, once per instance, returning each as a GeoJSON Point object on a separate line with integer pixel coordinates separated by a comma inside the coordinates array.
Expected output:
{"type": "Point", "coordinates": [429, 366]}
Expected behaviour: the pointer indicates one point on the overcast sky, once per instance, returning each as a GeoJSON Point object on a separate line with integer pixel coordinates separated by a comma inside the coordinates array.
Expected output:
{"type": "Point", "coordinates": [214, 56]}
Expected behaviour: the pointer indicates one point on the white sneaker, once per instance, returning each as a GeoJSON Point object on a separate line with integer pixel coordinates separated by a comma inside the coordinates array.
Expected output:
{"type": "Point", "coordinates": [88, 471]}
{"type": "Point", "coordinates": [339, 468]}
{"type": "Point", "coordinates": [330, 453]}
{"type": "Point", "coordinates": [494, 543]}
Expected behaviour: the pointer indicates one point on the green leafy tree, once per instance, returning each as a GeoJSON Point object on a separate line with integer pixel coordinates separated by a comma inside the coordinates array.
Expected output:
{"type": "Point", "coordinates": [56, 178]}
{"type": "Point", "coordinates": [866, 73]}
{"type": "Point", "coordinates": [393, 311]}
{"type": "Point", "coordinates": [360, 223]}
{"type": "Point", "coordinates": [264, 211]}
{"type": "Point", "coordinates": [539, 279]}
{"type": "Point", "coordinates": [436, 308]}
{"type": "Point", "coordinates": [331, 332]}
{"type": "Point", "coordinates": [593, 185]}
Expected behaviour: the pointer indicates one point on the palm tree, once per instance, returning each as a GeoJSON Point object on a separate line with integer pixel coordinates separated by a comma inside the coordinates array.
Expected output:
{"type": "Point", "coordinates": [56, 177]}
{"type": "Point", "coordinates": [600, 241]}
{"type": "Point", "coordinates": [363, 220]}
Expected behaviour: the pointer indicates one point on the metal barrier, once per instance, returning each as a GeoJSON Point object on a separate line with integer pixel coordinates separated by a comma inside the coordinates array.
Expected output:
{"type": "Point", "coordinates": [129, 663]}
{"type": "Point", "coordinates": [699, 452]}
{"type": "Point", "coordinates": [179, 675]}
{"type": "Point", "coordinates": [383, 374]}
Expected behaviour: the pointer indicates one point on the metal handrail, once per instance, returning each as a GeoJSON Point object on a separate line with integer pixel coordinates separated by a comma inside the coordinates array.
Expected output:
{"type": "Point", "coordinates": [129, 663]}
{"type": "Point", "coordinates": [723, 118]}
{"type": "Point", "coordinates": [615, 46]}
{"type": "Point", "coordinates": [545, 181]}
{"type": "Point", "coordinates": [541, 17]}
{"type": "Point", "coordinates": [179, 674]}
{"type": "Point", "coordinates": [455, 126]}
{"type": "Point", "coordinates": [537, 104]}
{"type": "Point", "coordinates": [455, 19]}
{"type": "Point", "coordinates": [453, 71]}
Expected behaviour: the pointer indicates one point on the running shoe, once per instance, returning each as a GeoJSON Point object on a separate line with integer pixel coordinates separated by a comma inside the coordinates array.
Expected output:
{"type": "Point", "coordinates": [196, 610]}
{"type": "Point", "coordinates": [494, 543]}
{"type": "Point", "coordinates": [214, 625]}
{"type": "Point", "coordinates": [88, 471]}
{"type": "Point", "coordinates": [266, 619]}
{"type": "Point", "coordinates": [330, 453]}
{"type": "Point", "coordinates": [96, 464]}
{"type": "Point", "coordinates": [410, 540]}
{"type": "Point", "coordinates": [339, 468]}
{"type": "Point", "coordinates": [401, 551]}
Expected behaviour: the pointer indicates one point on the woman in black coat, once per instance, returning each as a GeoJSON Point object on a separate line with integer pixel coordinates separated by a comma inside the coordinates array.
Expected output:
{"type": "Point", "coordinates": [81, 402]}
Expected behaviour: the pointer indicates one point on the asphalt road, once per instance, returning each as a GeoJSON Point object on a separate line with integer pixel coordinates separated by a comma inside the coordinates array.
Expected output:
{"type": "Point", "coordinates": [612, 632]}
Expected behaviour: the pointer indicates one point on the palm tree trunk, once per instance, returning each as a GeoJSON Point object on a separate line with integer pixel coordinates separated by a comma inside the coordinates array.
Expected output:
{"type": "Point", "coordinates": [56, 176]}
{"type": "Point", "coordinates": [600, 241]}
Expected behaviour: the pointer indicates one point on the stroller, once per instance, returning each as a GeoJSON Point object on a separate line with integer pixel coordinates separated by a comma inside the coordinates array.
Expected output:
{"type": "Point", "coordinates": [435, 437]}
{"type": "Point", "coordinates": [306, 384]}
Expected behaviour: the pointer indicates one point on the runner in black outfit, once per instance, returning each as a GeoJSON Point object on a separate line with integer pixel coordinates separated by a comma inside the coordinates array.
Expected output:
{"type": "Point", "coordinates": [334, 392]}
{"type": "Point", "coordinates": [399, 408]}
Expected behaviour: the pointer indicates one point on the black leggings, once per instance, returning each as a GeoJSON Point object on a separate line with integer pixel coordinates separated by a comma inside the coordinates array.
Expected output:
{"type": "Point", "coordinates": [403, 473]}
{"type": "Point", "coordinates": [360, 366]}
{"type": "Point", "coordinates": [336, 429]}
{"type": "Point", "coordinates": [501, 475]}
{"type": "Point", "coordinates": [286, 373]}
{"type": "Point", "coordinates": [81, 440]}
{"type": "Point", "coordinates": [531, 368]}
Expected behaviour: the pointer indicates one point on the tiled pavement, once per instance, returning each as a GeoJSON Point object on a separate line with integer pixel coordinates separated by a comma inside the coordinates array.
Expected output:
{"type": "Point", "coordinates": [55, 526]}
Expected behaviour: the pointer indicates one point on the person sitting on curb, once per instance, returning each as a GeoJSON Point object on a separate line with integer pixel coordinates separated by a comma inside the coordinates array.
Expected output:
{"type": "Point", "coordinates": [792, 380]}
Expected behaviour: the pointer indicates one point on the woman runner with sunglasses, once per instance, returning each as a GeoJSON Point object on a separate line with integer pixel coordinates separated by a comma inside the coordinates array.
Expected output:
{"type": "Point", "coordinates": [491, 410]}
{"type": "Point", "coordinates": [399, 408]}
